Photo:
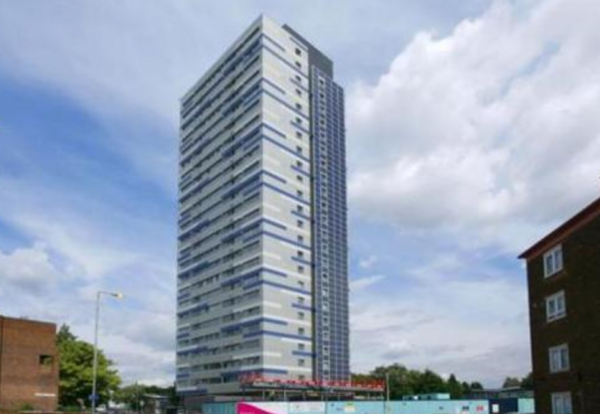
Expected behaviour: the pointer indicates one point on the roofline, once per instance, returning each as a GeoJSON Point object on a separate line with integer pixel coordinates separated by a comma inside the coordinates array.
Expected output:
{"type": "Point", "coordinates": [568, 227]}
{"type": "Point", "coordinates": [24, 319]}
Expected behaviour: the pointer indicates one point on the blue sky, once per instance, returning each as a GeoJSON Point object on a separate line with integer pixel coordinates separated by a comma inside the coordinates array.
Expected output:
{"type": "Point", "coordinates": [472, 131]}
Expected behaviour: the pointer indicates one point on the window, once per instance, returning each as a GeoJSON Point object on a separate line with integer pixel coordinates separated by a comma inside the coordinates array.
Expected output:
{"type": "Point", "coordinates": [300, 331]}
{"type": "Point", "coordinates": [301, 347]}
{"type": "Point", "coordinates": [298, 135]}
{"type": "Point", "coordinates": [559, 358]}
{"type": "Point", "coordinates": [299, 78]}
{"type": "Point", "coordinates": [298, 52]}
{"type": "Point", "coordinates": [556, 306]}
{"type": "Point", "coordinates": [300, 269]}
{"type": "Point", "coordinates": [553, 261]}
{"type": "Point", "coordinates": [46, 360]}
{"type": "Point", "coordinates": [298, 106]}
{"type": "Point", "coordinates": [300, 223]}
{"type": "Point", "coordinates": [299, 65]}
{"type": "Point", "coordinates": [298, 92]}
{"type": "Point", "coordinates": [561, 403]}
{"type": "Point", "coordinates": [300, 315]}
{"type": "Point", "coordinates": [301, 362]}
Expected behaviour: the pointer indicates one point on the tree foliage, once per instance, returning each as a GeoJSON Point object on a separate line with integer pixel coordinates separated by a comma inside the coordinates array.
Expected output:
{"type": "Point", "coordinates": [525, 383]}
{"type": "Point", "coordinates": [132, 395]}
{"type": "Point", "coordinates": [76, 360]}
{"type": "Point", "coordinates": [404, 381]}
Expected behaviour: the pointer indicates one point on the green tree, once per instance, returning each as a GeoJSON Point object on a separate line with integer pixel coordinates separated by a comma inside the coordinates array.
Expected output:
{"type": "Point", "coordinates": [527, 382]}
{"type": "Point", "coordinates": [454, 387]}
{"type": "Point", "coordinates": [401, 381]}
{"type": "Point", "coordinates": [476, 386]}
{"type": "Point", "coordinates": [429, 382]}
{"type": "Point", "coordinates": [76, 360]}
{"type": "Point", "coordinates": [510, 382]}
{"type": "Point", "coordinates": [131, 395]}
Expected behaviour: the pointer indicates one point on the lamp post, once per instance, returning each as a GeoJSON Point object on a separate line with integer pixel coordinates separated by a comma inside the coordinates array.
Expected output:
{"type": "Point", "coordinates": [99, 294]}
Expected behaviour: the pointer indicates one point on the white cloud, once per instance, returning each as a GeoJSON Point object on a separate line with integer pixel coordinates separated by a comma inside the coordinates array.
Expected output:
{"type": "Point", "coordinates": [477, 130]}
{"type": "Point", "coordinates": [365, 282]}
{"type": "Point", "coordinates": [444, 316]}
{"type": "Point", "coordinates": [29, 269]}
{"type": "Point", "coordinates": [368, 262]}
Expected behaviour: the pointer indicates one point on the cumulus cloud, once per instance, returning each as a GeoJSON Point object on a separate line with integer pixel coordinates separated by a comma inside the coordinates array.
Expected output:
{"type": "Point", "coordinates": [29, 269]}
{"type": "Point", "coordinates": [479, 129]}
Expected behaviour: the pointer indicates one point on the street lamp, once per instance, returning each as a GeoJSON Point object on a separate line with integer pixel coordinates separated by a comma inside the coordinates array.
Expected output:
{"type": "Point", "coordinates": [99, 294]}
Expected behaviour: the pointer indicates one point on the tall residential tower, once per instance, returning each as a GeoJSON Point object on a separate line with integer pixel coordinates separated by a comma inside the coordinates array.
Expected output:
{"type": "Point", "coordinates": [262, 264]}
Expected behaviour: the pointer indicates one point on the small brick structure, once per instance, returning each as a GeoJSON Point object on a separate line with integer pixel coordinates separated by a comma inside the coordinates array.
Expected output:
{"type": "Point", "coordinates": [28, 365]}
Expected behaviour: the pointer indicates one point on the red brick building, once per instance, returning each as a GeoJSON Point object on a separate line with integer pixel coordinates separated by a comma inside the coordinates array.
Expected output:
{"type": "Point", "coordinates": [28, 365]}
{"type": "Point", "coordinates": [563, 272]}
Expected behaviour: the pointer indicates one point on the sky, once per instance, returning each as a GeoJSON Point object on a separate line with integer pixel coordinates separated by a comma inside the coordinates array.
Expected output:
{"type": "Point", "coordinates": [473, 130]}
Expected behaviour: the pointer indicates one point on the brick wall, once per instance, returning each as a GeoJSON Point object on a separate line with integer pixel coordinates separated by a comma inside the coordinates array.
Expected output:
{"type": "Point", "coordinates": [580, 280]}
{"type": "Point", "coordinates": [28, 365]}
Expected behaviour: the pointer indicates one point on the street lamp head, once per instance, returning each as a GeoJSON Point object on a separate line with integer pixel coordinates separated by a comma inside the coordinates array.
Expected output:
{"type": "Point", "coordinates": [116, 295]}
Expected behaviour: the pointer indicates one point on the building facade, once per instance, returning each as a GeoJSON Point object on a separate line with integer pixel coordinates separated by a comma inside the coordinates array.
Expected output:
{"type": "Point", "coordinates": [262, 263]}
{"type": "Point", "coordinates": [564, 305]}
{"type": "Point", "coordinates": [28, 365]}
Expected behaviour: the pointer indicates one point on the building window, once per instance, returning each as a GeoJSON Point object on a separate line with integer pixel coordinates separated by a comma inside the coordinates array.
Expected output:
{"type": "Point", "coordinates": [300, 331]}
{"type": "Point", "coordinates": [301, 347]}
{"type": "Point", "coordinates": [559, 358]}
{"type": "Point", "coordinates": [556, 306]}
{"type": "Point", "coordinates": [301, 362]}
{"type": "Point", "coordinates": [46, 360]}
{"type": "Point", "coordinates": [561, 403]}
{"type": "Point", "coordinates": [298, 52]}
{"type": "Point", "coordinates": [553, 261]}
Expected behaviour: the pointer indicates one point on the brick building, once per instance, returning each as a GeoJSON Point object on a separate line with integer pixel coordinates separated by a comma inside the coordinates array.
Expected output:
{"type": "Point", "coordinates": [563, 272]}
{"type": "Point", "coordinates": [28, 365]}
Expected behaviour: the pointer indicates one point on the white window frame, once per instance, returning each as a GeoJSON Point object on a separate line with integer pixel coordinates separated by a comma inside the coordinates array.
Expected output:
{"type": "Point", "coordinates": [559, 358]}
{"type": "Point", "coordinates": [553, 261]}
{"type": "Point", "coordinates": [556, 306]}
{"type": "Point", "coordinates": [561, 403]}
